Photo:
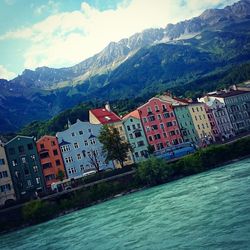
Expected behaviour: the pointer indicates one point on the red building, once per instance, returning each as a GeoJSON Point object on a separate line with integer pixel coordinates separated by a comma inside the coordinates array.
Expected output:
{"type": "Point", "coordinates": [159, 123]}
{"type": "Point", "coordinates": [51, 159]}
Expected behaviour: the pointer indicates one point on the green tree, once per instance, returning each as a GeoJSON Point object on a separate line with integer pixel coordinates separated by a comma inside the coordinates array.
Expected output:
{"type": "Point", "coordinates": [113, 146]}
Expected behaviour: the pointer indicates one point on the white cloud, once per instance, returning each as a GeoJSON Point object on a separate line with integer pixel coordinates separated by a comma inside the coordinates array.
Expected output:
{"type": "Point", "coordinates": [51, 7]}
{"type": "Point", "coordinates": [5, 74]}
{"type": "Point", "coordinates": [67, 38]}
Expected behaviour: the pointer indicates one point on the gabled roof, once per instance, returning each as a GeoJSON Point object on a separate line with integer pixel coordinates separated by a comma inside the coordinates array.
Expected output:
{"type": "Point", "coordinates": [104, 116]}
{"type": "Point", "coordinates": [46, 136]}
{"type": "Point", "coordinates": [224, 94]}
{"type": "Point", "coordinates": [134, 114]}
{"type": "Point", "coordinates": [92, 136]}
{"type": "Point", "coordinates": [64, 143]}
{"type": "Point", "coordinates": [20, 136]}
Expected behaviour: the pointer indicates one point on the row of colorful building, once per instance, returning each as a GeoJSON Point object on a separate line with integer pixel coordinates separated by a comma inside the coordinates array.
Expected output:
{"type": "Point", "coordinates": [28, 167]}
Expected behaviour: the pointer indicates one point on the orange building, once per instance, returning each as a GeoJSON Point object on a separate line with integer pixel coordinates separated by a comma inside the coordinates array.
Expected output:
{"type": "Point", "coordinates": [51, 159]}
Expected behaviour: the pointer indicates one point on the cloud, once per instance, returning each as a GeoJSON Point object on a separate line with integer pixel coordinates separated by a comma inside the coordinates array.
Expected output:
{"type": "Point", "coordinates": [64, 39]}
{"type": "Point", "coordinates": [5, 74]}
{"type": "Point", "coordinates": [51, 7]}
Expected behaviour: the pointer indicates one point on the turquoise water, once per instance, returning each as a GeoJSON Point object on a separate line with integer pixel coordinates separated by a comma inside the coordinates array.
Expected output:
{"type": "Point", "coordinates": [207, 211]}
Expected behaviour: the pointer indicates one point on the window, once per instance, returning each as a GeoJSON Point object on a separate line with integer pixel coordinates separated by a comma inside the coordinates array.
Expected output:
{"type": "Point", "coordinates": [29, 183]}
{"type": "Point", "coordinates": [154, 127]}
{"type": "Point", "coordinates": [144, 119]}
{"type": "Point", "coordinates": [14, 163]}
{"type": "Point", "coordinates": [140, 143]}
{"type": "Point", "coordinates": [58, 162]}
{"type": "Point", "coordinates": [169, 124]}
{"type": "Point", "coordinates": [151, 118]}
{"type": "Point", "coordinates": [157, 136]}
{"type": "Point", "coordinates": [82, 168]}
{"type": "Point", "coordinates": [23, 160]}
{"type": "Point", "coordinates": [136, 154]}
{"type": "Point", "coordinates": [35, 169]}
{"type": "Point", "coordinates": [46, 165]}
{"type": "Point", "coordinates": [48, 178]}
{"type": "Point", "coordinates": [21, 149]}
{"type": "Point", "coordinates": [157, 108]}
{"type": "Point", "coordinates": [164, 135]}
{"type": "Point", "coordinates": [72, 170]}
{"type": "Point", "coordinates": [128, 128]}
{"type": "Point", "coordinates": [44, 155]}
{"type": "Point", "coordinates": [149, 110]}
{"type": "Point", "coordinates": [79, 157]}
{"type": "Point", "coordinates": [90, 131]}
{"type": "Point", "coordinates": [133, 126]}
{"type": "Point", "coordinates": [92, 141]}
{"type": "Point", "coordinates": [33, 157]}
{"type": "Point", "coordinates": [80, 132]}
{"type": "Point", "coordinates": [150, 138]}
{"type": "Point", "coordinates": [162, 126]}
{"type": "Point", "coordinates": [55, 152]}
{"type": "Point", "coordinates": [53, 143]}
{"type": "Point", "coordinates": [166, 115]}
{"type": "Point", "coordinates": [130, 136]}
{"type": "Point", "coordinates": [65, 148]}
{"type": "Point", "coordinates": [164, 107]}
{"type": "Point", "coordinates": [171, 133]}
{"type": "Point", "coordinates": [159, 117]}
{"type": "Point", "coordinates": [30, 146]}
{"type": "Point", "coordinates": [5, 188]}
{"type": "Point", "coordinates": [38, 180]}
{"type": "Point", "coordinates": [86, 143]}
{"type": "Point", "coordinates": [138, 134]}
{"type": "Point", "coordinates": [76, 145]}
{"type": "Point", "coordinates": [3, 174]}
{"type": "Point", "coordinates": [147, 129]}
{"type": "Point", "coordinates": [138, 125]}
{"type": "Point", "coordinates": [68, 159]}
{"type": "Point", "coordinates": [2, 161]}
{"type": "Point", "coordinates": [42, 146]}
{"type": "Point", "coordinates": [73, 134]}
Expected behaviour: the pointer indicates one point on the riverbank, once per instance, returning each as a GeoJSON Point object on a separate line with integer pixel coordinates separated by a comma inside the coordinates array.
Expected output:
{"type": "Point", "coordinates": [149, 173]}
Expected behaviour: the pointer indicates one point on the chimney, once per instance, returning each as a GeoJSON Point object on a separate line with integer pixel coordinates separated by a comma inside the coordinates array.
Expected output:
{"type": "Point", "coordinates": [107, 107]}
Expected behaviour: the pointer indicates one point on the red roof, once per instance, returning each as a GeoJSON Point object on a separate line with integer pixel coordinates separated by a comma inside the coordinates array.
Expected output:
{"type": "Point", "coordinates": [134, 114]}
{"type": "Point", "coordinates": [104, 116]}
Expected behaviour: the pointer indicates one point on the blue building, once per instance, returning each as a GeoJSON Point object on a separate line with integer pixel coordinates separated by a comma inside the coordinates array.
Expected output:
{"type": "Point", "coordinates": [81, 149]}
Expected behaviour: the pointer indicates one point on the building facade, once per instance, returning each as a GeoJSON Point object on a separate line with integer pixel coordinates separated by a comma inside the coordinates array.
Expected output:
{"type": "Point", "coordinates": [25, 167]}
{"type": "Point", "coordinates": [186, 124]}
{"type": "Point", "coordinates": [7, 192]}
{"type": "Point", "coordinates": [51, 160]}
{"type": "Point", "coordinates": [136, 136]}
{"type": "Point", "coordinates": [201, 123]}
{"type": "Point", "coordinates": [237, 103]}
{"type": "Point", "coordinates": [106, 116]}
{"type": "Point", "coordinates": [81, 149]}
{"type": "Point", "coordinates": [221, 117]}
{"type": "Point", "coordinates": [159, 123]}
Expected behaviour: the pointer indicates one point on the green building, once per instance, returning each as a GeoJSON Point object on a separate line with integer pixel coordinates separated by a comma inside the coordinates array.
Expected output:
{"type": "Point", "coordinates": [136, 136]}
{"type": "Point", "coordinates": [25, 167]}
{"type": "Point", "coordinates": [186, 124]}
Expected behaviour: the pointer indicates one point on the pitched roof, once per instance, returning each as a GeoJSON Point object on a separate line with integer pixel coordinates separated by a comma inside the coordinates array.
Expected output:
{"type": "Point", "coordinates": [228, 94]}
{"type": "Point", "coordinates": [104, 116]}
{"type": "Point", "coordinates": [134, 114]}
{"type": "Point", "coordinates": [64, 143]}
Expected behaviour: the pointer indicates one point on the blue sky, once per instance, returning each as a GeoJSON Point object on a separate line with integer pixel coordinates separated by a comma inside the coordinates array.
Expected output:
{"type": "Point", "coordinates": [61, 33]}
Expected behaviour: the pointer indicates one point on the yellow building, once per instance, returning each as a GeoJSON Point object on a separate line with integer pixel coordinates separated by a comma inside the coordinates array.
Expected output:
{"type": "Point", "coordinates": [201, 123]}
{"type": "Point", "coordinates": [106, 117]}
{"type": "Point", "coordinates": [7, 192]}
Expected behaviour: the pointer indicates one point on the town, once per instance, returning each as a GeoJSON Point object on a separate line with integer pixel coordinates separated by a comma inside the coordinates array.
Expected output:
{"type": "Point", "coordinates": [160, 127]}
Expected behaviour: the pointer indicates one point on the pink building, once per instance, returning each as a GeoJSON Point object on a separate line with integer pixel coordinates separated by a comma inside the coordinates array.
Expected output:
{"type": "Point", "coordinates": [159, 123]}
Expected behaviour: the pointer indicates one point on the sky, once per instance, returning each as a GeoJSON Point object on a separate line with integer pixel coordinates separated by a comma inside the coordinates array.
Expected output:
{"type": "Point", "coordinates": [62, 33]}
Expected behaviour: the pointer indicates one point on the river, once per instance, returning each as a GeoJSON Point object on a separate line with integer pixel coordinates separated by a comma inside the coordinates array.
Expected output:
{"type": "Point", "coordinates": [210, 210]}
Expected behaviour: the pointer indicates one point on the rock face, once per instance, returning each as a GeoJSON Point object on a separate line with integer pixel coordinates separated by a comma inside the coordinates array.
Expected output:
{"type": "Point", "coordinates": [150, 61]}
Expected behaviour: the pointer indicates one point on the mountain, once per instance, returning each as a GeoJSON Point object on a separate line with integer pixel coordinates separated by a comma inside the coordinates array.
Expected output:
{"type": "Point", "coordinates": [147, 62]}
